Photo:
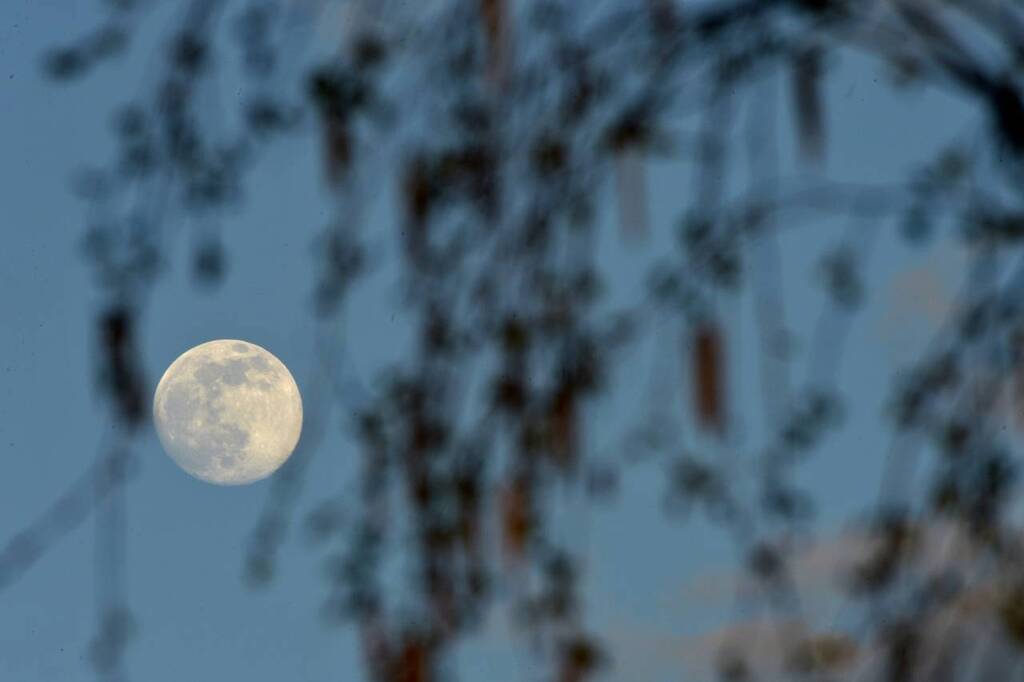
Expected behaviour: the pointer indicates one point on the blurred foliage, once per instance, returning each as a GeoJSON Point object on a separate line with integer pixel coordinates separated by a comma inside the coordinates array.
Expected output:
{"type": "Point", "coordinates": [500, 124]}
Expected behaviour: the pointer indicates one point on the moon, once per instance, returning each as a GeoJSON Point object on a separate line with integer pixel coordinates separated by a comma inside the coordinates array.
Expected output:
{"type": "Point", "coordinates": [228, 412]}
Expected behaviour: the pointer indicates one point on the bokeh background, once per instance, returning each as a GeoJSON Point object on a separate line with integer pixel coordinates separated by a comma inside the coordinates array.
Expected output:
{"type": "Point", "coordinates": [663, 593]}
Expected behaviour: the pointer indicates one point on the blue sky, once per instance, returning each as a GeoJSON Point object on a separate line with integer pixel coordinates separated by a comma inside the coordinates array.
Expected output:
{"type": "Point", "coordinates": [186, 540]}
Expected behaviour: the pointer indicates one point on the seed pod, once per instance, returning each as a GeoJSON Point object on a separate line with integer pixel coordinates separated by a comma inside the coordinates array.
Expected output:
{"type": "Point", "coordinates": [708, 383]}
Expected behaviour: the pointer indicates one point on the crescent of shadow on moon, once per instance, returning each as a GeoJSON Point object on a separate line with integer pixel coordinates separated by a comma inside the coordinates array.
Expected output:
{"type": "Point", "coordinates": [228, 412]}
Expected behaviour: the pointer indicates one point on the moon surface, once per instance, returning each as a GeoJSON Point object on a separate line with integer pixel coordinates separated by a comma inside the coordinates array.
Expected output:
{"type": "Point", "coordinates": [228, 412]}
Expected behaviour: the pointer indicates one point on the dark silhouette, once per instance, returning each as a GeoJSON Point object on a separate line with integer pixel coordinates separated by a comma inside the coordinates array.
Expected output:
{"type": "Point", "coordinates": [500, 121]}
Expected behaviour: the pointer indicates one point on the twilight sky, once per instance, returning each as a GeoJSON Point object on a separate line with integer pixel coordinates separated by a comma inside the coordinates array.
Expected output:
{"type": "Point", "coordinates": [186, 539]}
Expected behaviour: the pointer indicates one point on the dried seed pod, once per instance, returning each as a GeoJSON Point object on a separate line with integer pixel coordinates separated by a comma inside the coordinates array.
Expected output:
{"type": "Point", "coordinates": [708, 377]}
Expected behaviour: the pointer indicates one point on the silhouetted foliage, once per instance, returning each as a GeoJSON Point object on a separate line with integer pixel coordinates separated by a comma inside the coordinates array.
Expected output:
{"type": "Point", "coordinates": [500, 123]}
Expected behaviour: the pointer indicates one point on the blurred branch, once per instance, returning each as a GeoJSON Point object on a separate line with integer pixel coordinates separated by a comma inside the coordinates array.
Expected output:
{"type": "Point", "coordinates": [112, 469]}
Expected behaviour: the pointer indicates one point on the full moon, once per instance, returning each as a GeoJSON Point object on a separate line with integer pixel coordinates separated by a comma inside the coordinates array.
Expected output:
{"type": "Point", "coordinates": [228, 412]}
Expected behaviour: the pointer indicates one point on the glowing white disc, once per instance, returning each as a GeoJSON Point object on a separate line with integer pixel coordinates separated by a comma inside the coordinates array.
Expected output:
{"type": "Point", "coordinates": [228, 412]}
